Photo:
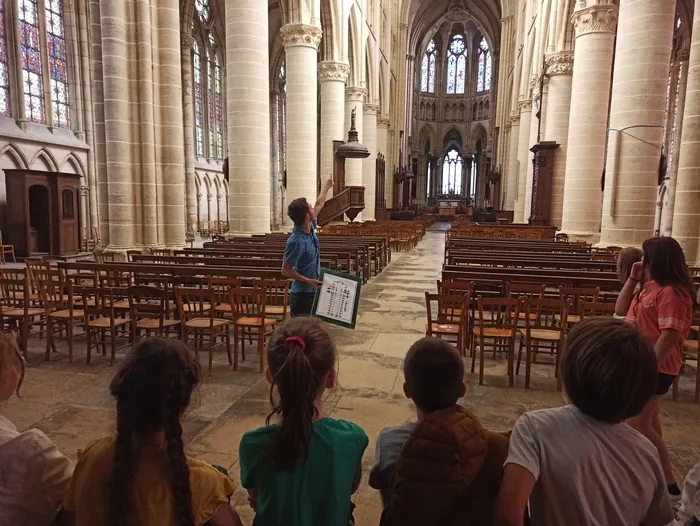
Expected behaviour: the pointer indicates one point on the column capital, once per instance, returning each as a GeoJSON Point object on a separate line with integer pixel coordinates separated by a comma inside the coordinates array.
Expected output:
{"type": "Point", "coordinates": [186, 41]}
{"type": "Point", "coordinates": [353, 94]}
{"type": "Point", "coordinates": [371, 109]}
{"type": "Point", "coordinates": [303, 35]}
{"type": "Point", "coordinates": [514, 117]}
{"type": "Point", "coordinates": [524, 105]}
{"type": "Point", "coordinates": [595, 19]}
{"type": "Point", "coordinates": [333, 71]}
{"type": "Point", "coordinates": [683, 55]}
{"type": "Point", "coordinates": [560, 63]}
{"type": "Point", "coordinates": [384, 123]}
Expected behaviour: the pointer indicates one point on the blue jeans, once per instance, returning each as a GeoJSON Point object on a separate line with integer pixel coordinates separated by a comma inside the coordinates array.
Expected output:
{"type": "Point", "coordinates": [301, 303]}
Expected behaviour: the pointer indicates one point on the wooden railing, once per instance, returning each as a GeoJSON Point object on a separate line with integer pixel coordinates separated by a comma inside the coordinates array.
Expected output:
{"type": "Point", "coordinates": [350, 201]}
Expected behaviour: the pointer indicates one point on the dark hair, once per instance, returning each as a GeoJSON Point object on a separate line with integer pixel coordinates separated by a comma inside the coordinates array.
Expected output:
{"type": "Point", "coordinates": [153, 389]}
{"type": "Point", "coordinates": [664, 261]}
{"type": "Point", "coordinates": [627, 257]}
{"type": "Point", "coordinates": [298, 371]}
{"type": "Point", "coordinates": [297, 210]}
{"type": "Point", "coordinates": [609, 369]}
{"type": "Point", "coordinates": [434, 373]}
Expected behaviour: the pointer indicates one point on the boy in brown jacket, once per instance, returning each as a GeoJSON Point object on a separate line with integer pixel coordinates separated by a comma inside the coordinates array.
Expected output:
{"type": "Point", "coordinates": [445, 468]}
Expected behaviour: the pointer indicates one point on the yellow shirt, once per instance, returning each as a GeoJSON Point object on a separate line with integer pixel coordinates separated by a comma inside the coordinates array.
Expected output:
{"type": "Point", "coordinates": [152, 496]}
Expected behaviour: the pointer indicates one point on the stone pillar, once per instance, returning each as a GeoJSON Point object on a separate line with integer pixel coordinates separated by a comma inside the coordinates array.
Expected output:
{"type": "Point", "coordinates": [560, 68]}
{"type": "Point", "coordinates": [186, 42]}
{"type": "Point", "coordinates": [637, 106]}
{"type": "Point", "coordinates": [525, 108]}
{"type": "Point", "coordinates": [538, 101]}
{"type": "Point", "coordinates": [248, 104]}
{"type": "Point", "coordinates": [512, 173]}
{"type": "Point", "coordinates": [275, 197]}
{"type": "Point", "coordinates": [354, 100]}
{"type": "Point", "coordinates": [590, 93]}
{"type": "Point", "coordinates": [301, 50]}
{"type": "Point", "coordinates": [667, 225]}
{"type": "Point", "coordinates": [383, 124]}
{"type": "Point", "coordinates": [686, 216]}
{"type": "Point", "coordinates": [369, 165]}
{"type": "Point", "coordinates": [332, 76]}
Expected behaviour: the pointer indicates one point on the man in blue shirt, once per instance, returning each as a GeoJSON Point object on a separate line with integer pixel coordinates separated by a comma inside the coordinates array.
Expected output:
{"type": "Point", "coordinates": [302, 257]}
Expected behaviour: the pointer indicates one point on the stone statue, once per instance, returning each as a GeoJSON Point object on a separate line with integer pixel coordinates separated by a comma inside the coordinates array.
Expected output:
{"type": "Point", "coordinates": [353, 116]}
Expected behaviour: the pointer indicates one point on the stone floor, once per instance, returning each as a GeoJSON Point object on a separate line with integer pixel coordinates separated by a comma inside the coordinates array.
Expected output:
{"type": "Point", "coordinates": [71, 403]}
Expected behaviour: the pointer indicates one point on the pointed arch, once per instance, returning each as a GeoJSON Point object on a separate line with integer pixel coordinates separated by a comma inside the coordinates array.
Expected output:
{"type": "Point", "coordinates": [46, 160]}
{"type": "Point", "coordinates": [355, 54]}
{"type": "Point", "coordinates": [73, 161]}
{"type": "Point", "coordinates": [479, 133]}
{"type": "Point", "coordinates": [331, 48]}
{"type": "Point", "coordinates": [12, 151]}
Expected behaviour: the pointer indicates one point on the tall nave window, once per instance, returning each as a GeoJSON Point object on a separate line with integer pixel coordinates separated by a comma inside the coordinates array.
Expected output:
{"type": "Point", "coordinates": [208, 86]}
{"type": "Point", "coordinates": [4, 73]}
{"type": "Point", "coordinates": [456, 65]}
{"type": "Point", "coordinates": [483, 79]}
{"type": "Point", "coordinates": [427, 84]}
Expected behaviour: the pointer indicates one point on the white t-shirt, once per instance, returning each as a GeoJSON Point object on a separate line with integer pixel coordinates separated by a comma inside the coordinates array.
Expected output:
{"type": "Point", "coordinates": [34, 477]}
{"type": "Point", "coordinates": [589, 473]}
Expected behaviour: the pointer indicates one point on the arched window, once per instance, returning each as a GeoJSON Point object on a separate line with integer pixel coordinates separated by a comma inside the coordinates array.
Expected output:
{"type": "Point", "coordinates": [208, 86]}
{"type": "Point", "coordinates": [32, 78]}
{"type": "Point", "coordinates": [427, 84]}
{"type": "Point", "coordinates": [452, 173]}
{"type": "Point", "coordinates": [4, 74]}
{"type": "Point", "coordinates": [483, 80]}
{"type": "Point", "coordinates": [58, 65]}
{"type": "Point", "coordinates": [456, 65]}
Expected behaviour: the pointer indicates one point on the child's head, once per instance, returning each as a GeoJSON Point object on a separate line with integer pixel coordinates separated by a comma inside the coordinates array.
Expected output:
{"type": "Point", "coordinates": [11, 367]}
{"type": "Point", "coordinates": [627, 257]}
{"type": "Point", "coordinates": [609, 369]}
{"type": "Point", "coordinates": [664, 262]}
{"type": "Point", "coordinates": [301, 365]}
{"type": "Point", "coordinates": [153, 389]}
{"type": "Point", "coordinates": [434, 373]}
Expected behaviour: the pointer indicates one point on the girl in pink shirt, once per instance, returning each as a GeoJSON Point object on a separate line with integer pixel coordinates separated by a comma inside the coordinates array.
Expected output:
{"type": "Point", "coordinates": [662, 310]}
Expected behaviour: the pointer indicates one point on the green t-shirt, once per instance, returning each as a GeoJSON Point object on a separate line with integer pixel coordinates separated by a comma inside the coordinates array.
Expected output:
{"type": "Point", "coordinates": [318, 491]}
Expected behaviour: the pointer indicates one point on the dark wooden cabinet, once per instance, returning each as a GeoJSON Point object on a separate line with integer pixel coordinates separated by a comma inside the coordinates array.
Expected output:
{"type": "Point", "coordinates": [541, 214]}
{"type": "Point", "coordinates": [42, 212]}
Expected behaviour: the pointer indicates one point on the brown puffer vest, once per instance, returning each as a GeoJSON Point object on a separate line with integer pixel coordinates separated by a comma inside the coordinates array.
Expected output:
{"type": "Point", "coordinates": [448, 474]}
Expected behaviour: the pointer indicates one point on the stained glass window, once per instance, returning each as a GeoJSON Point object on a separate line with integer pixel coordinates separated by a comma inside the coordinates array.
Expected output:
{"type": "Point", "coordinates": [198, 102]}
{"type": "Point", "coordinates": [30, 48]}
{"type": "Point", "coordinates": [4, 75]}
{"type": "Point", "coordinates": [452, 173]}
{"type": "Point", "coordinates": [428, 69]}
{"type": "Point", "coordinates": [58, 65]}
{"type": "Point", "coordinates": [456, 65]}
{"type": "Point", "coordinates": [202, 7]}
{"type": "Point", "coordinates": [483, 78]}
{"type": "Point", "coordinates": [211, 116]}
{"type": "Point", "coordinates": [219, 109]}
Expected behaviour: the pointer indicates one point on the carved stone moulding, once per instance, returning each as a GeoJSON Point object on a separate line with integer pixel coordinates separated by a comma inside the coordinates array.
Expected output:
{"type": "Point", "coordinates": [371, 109]}
{"type": "Point", "coordinates": [353, 94]}
{"type": "Point", "coordinates": [560, 63]}
{"type": "Point", "coordinates": [333, 71]}
{"type": "Point", "coordinates": [595, 19]}
{"type": "Point", "coordinates": [301, 35]}
{"type": "Point", "coordinates": [524, 105]}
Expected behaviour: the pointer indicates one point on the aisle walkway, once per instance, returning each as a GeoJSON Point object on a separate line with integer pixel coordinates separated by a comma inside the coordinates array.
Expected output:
{"type": "Point", "coordinates": [71, 402]}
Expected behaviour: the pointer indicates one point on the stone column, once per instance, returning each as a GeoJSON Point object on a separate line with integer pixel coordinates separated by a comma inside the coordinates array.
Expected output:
{"type": "Point", "coordinates": [383, 124]}
{"type": "Point", "coordinates": [560, 68]}
{"type": "Point", "coordinates": [354, 100]}
{"type": "Point", "coordinates": [186, 42]}
{"type": "Point", "coordinates": [275, 197]}
{"type": "Point", "coordinates": [667, 225]}
{"type": "Point", "coordinates": [248, 104]}
{"type": "Point", "coordinates": [538, 101]}
{"type": "Point", "coordinates": [301, 50]}
{"type": "Point", "coordinates": [590, 93]}
{"type": "Point", "coordinates": [332, 76]}
{"type": "Point", "coordinates": [525, 108]}
{"type": "Point", "coordinates": [686, 216]}
{"type": "Point", "coordinates": [512, 173]}
{"type": "Point", "coordinates": [369, 165]}
{"type": "Point", "coordinates": [638, 101]}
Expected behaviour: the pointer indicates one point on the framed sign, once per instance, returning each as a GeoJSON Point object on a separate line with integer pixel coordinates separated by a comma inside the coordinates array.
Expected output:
{"type": "Point", "coordinates": [338, 299]}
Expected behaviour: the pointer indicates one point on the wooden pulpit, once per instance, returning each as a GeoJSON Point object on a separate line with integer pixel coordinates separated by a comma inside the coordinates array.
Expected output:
{"type": "Point", "coordinates": [541, 211]}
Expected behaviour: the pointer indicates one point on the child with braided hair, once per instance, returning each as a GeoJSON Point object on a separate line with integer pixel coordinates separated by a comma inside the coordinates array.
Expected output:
{"type": "Point", "coordinates": [142, 476]}
{"type": "Point", "coordinates": [302, 471]}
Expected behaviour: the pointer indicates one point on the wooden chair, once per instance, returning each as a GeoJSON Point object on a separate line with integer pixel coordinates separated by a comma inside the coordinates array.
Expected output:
{"type": "Point", "coordinates": [6, 250]}
{"type": "Point", "coordinates": [149, 312]}
{"type": "Point", "coordinates": [524, 290]}
{"type": "Point", "coordinates": [16, 314]}
{"type": "Point", "coordinates": [104, 257]}
{"type": "Point", "coordinates": [130, 253]}
{"type": "Point", "coordinates": [161, 252]}
{"type": "Point", "coordinates": [60, 312]}
{"type": "Point", "coordinates": [545, 326]}
{"type": "Point", "coordinates": [276, 293]}
{"type": "Point", "coordinates": [250, 316]}
{"type": "Point", "coordinates": [197, 320]}
{"type": "Point", "coordinates": [100, 317]}
{"type": "Point", "coordinates": [691, 351]}
{"type": "Point", "coordinates": [592, 309]}
{"type": "Point", "coordinates": [497, 324]}
{"type": "Point", "coordinates": [222, 286]}
{"type": "Point", "coordinates": [450, 319]}
{"type": "Point", "coordinates": [578, 295]}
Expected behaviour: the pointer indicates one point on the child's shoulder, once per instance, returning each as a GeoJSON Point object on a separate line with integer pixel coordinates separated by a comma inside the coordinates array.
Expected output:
{"type": "Point", "coordinates": [342, 427]}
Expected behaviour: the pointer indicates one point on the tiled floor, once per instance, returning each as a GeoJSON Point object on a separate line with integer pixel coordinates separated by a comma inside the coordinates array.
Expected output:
{"type": "Point", "coordinates": [71, 403]}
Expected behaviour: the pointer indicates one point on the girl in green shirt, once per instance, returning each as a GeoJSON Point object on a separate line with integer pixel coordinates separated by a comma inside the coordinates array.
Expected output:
{"type": "Point", "coordinates": [303, 471]}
